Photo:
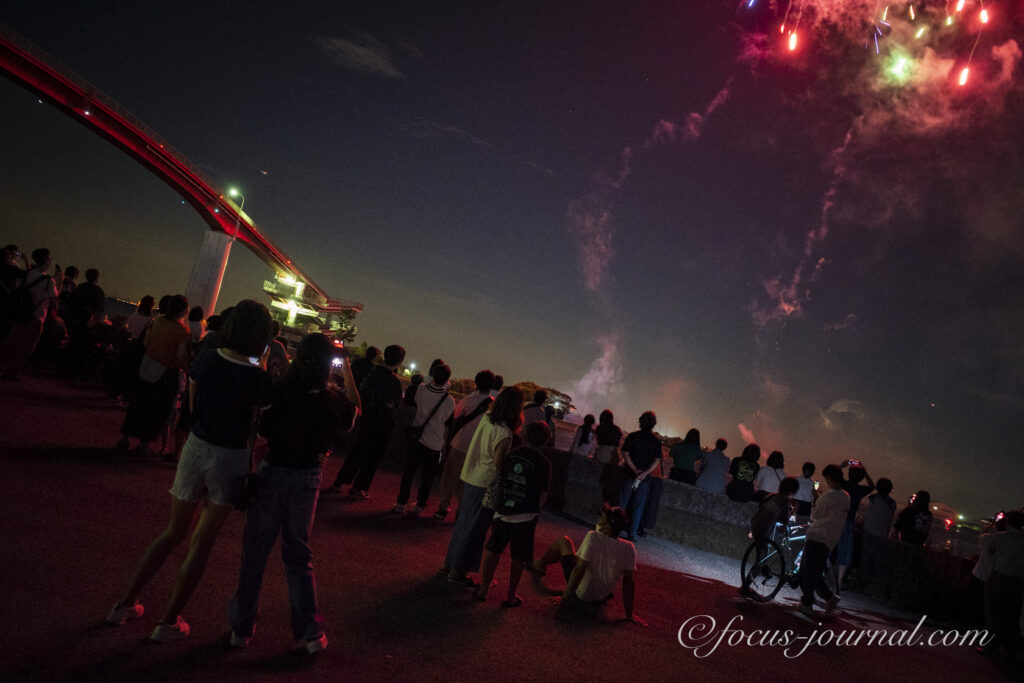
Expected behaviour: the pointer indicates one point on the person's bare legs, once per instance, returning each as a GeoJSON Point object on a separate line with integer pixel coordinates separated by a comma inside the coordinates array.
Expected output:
{"type": "Point", "coordinates": [211, 520]}
{"type": "Point", "coordinates": [490, 566]}
{"type": "Point", "coordinates": [515, 573]}
{"type": "Point", "coordinates": [182, 513]}
{"type": "Point", "coordinates": [555, 552]}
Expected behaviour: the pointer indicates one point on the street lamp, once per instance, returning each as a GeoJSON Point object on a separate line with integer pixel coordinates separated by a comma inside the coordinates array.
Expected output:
{"type": "Point", "coordinates": [233, 191]}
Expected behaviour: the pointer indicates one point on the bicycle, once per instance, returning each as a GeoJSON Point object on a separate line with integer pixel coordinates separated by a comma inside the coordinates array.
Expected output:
{"type": "Point", "coordinates": [766, 570]}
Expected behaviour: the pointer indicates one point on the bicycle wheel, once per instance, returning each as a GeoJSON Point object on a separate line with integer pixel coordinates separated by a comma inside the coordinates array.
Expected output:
{"type": "Point", "coordinates": [764, 578]}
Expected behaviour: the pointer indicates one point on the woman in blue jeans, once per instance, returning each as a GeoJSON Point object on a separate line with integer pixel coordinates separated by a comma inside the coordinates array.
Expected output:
{"type": "Point", "coordinates": [305, 416]}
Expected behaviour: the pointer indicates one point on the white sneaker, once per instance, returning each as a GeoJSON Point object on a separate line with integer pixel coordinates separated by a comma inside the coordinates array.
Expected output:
{"type": "Point", "coordinates": [316, 644]}
{"type": "Point", "coordinates": [119, 614]}
{"type": "Point", "coordinates": [399, 508]}
{"type": "Point", "coordinates": [238, 641]}
{"type": "Point", "coordinates": [164, 632]}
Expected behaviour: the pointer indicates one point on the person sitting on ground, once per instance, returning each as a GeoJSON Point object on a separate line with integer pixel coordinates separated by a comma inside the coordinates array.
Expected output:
{"type": "Point", "coordinates": [226, 389]}
{"type": "Point", "coordinates": [592, 572]}
{"type": "Point", "coordinates": [584, 440]}
{"type": "Point", "coordinates": [685, 457]}
{"type": "Point", "coordinates": [715, 470]}
{"type": "Point", "coordinates": [743, 470]}
{"type": "Point", "coordinates": [525, 480]}
{"type": "Point", "coordinates": [827, 520]}
{"type": "Point", "coordinates": [774, 509]}
{"type": "Point", "coordinates": [641, 455]}
{"type": "Point", "coordinates": [313, 403]}
{"type": "Point", "coordinates": [915, 521]}
{"type": "Point", "coordinates": [768, 478]}
{"type": "Point", "coordinates": [467, 416]}
{"type": "Point", "coordinates": [432, 412]}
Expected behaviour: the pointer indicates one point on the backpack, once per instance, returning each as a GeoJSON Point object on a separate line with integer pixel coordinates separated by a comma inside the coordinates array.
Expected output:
{"type": "Point", "coordinates": [20, 305]}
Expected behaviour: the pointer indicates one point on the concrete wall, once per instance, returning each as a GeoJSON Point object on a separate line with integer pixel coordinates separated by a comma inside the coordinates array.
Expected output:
{"type": "Point", "coordinates": [686, 515]}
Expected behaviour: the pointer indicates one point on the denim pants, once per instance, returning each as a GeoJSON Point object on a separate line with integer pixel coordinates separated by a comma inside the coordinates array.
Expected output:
{"type": "Point", "coordinates": [286, 506]}
{"type": "Point", "coordinates": [633, 502]}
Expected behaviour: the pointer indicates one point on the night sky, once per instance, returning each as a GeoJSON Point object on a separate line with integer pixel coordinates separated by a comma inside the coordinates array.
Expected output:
{"type": "Point", "coordinates": [645, 205]}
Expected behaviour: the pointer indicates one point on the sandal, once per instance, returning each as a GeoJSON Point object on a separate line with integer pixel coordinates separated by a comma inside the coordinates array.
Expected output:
{"type": "Point", "coordinates": [514, 602]}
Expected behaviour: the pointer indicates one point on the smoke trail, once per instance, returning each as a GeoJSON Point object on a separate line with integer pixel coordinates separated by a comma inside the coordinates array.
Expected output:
{"type": "Point", "coordinates": [591, 225]}
{"type": "Point", "coordinates": [787, 299]}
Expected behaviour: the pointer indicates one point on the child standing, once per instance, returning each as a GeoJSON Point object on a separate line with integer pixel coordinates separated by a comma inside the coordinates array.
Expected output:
{"type": "Point", "coordinates": [524, 487]}
{"type": "Point", "coordinates": [827, 520]}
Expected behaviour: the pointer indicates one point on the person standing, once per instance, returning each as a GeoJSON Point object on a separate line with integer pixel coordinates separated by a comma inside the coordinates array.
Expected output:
{"type": "Point", "coordinates": [641, 454]}
{"type": "Point", "coordinates": [434, 408]}
{"type": "Point", "coordinates": [609, 438]}
{"type": "Point", "coordinates": [525, 481]}
{"type": "Point", "coordinates": [806, 494]}
{"type": "Point", "coordinates": [381, 394]}
{"type": "Point", "coordinates": [306, 414]}
{"type": "Point", "coordinates": [1004, 590]}
{"type": "Point", "coordinates": [877, 524]}
{"type": "Point", "coordinates": [857, 493]}
{"type": "Point", "coordinates": [915, 521]}
{"type": "Point", "coordinates": [827, 520]}
{"type": "Point", "coordinates": [227, 389]}
{"type": "Point", "coordinates": [468, 414]}
{"type": "Point", "coordinates": [715, 469]}
{"type": "Point", "coordinates": [488, 449]}
{"type": "Point", "coordinates": [166, 343]}
{"type": "Point", "coordinates": [361, 366]}
{"type": "Point", "coordinates": [19, 344]}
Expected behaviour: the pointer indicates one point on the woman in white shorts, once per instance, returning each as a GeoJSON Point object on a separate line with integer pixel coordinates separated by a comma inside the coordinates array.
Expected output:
{"type": "Point", "coordinates": [227, 387]}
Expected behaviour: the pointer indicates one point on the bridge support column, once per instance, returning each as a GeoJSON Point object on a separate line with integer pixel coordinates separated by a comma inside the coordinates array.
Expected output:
{"type": "Point", "coordinates": [208, 271]}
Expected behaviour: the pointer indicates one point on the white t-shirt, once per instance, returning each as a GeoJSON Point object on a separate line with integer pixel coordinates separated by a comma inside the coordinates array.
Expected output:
{"type": "Point", "coordinates": [806, 490]}
{"type": "Point", "coordinates": [137, 324]}
{"type": "Point", "coordinates": [427, 398]}
{"type": "Point", "coordinates": [829, 517]}
{"type": "Point", "coordinates": [609, 558]}
{"type": "Point", "coordinates": [465, 407]}
{"type": "Point", "coordinates": [769, 478]}
{"type": "Point", "coordinates": [41, 293]}
{"type": "Point", "coordinates": [479, 468]}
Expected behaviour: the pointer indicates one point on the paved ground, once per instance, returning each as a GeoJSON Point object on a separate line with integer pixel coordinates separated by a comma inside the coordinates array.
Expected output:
{"type": "Point", "coordinates": [76, 516]}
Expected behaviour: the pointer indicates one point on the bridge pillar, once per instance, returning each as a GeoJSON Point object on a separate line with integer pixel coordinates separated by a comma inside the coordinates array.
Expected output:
{"type": "Point", "coordinates": [208, 271]}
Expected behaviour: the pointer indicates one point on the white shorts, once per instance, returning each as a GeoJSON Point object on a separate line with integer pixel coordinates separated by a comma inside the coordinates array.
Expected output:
{"type": "Point", "coordinates": [210, 472]}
